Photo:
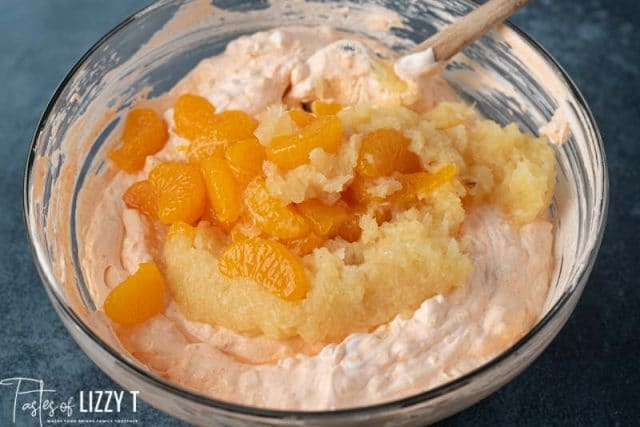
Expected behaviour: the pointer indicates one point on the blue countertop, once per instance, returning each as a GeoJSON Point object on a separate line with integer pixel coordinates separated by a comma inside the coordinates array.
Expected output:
{"type": "Point", "coordinates": [589, 375]}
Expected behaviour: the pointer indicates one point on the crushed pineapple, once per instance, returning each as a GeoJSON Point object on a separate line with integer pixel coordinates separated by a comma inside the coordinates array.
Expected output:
{"type": "Point", "coordinates": [522, 169]}
{"type": "Point", "coordinates": [323, 224]}
{"type": "Point", "coordinates": [342, 298]}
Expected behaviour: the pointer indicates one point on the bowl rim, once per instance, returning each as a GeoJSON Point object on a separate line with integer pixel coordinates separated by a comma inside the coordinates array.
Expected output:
{"type": "Point", "coordinates": [238, 409]}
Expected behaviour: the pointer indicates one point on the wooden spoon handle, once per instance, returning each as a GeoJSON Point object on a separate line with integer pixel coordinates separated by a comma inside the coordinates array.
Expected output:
{"type": "Point", "coordinates": [463, 32]}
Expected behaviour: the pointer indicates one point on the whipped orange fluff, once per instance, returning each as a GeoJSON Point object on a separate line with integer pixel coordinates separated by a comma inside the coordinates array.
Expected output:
{"type": "Point", "coordinates": [446, 337]}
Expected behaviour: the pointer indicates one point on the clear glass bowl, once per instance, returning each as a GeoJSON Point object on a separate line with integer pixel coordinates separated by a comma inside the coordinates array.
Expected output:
{"type": "Point", "coordinates": [506, 74]}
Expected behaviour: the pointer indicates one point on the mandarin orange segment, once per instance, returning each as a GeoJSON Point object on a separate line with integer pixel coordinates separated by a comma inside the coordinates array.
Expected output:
{"type": "Point", "coordinates": [193, 116]}
{"type": "Point", "coordinates": [233, 125]}
{"type": "Point", "coordinates": [203, 148]}
{"type": "Point", "coordinates": [142, 196]}
{"type": "Point", "coordinates": [137, 298]}
{"type": "Point", "coordinates": [245, 158]}
{"type": "Point", "coordinates": [419, 184]}
{"type": "Point", "coordinates": [291, 151]}
{"type": "Point", "coordinates": [225, 128]}
{"type": "Point", "coordinates": [223, 191]}
{"type": "Point", "coordinates": [385, 151]}
{"type": "Point", "coordinates": [128, 158]}
{"type": "Point", "coordinates": [304, 245]}
{"type": "Point", "coordinates": [357, 192]}
{"type": "Point", "coordinates": [301, 118]}
{"type": "Point", "coordinates": [144, 133]}
{"type": "Point", "coordinates": [325, 220]}
{"type": "Point", "coordinates": [270, 216]}
{"type": "Point", "coordinates": [209, 214]}
{"type": "Point", "coordinates": [321, 108]}
{"type": "Point", "coordinates": [409, 162]}
{"type": "Point", "coordinates": [268, 263]}
{"type": "Point", "coordinates": [181, 192]}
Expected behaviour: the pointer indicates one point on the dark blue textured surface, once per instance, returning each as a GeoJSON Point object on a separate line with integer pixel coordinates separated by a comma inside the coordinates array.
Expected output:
{"type": "Point", "coordinates": [590, 373]}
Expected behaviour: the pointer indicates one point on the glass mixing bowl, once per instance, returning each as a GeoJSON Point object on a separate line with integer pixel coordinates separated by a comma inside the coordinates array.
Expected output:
{"type": "Point", "coordinates": [508, 76]}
